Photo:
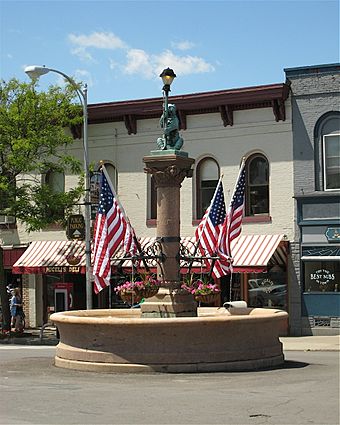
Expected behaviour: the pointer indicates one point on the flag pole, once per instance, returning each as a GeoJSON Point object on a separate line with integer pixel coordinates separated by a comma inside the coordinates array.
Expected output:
{"type": "Point", "coordinates": [123, 211]}
{"type": "Point", "coordinates": [205, 223]}
{"type": "Point", "coordinates": [227, 215]}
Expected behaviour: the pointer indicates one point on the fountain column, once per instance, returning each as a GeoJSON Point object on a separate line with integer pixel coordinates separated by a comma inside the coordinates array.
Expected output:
{"type": "Point", "coordinates": [169, 168]}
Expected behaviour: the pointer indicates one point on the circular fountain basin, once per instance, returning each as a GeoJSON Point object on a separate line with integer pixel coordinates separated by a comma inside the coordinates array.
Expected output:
{"type": "Point", "coordinates": [216, 340]}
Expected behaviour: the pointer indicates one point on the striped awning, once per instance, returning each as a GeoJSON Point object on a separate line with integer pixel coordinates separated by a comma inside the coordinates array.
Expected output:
{"type": "Point", "coordinates": [52, 257]}
{"type": "Point", "coordinates": [251, 253]}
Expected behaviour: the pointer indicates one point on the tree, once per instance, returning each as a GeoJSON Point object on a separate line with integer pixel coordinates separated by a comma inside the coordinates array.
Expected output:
{"type": "Point", "coordinates": [34, 142]}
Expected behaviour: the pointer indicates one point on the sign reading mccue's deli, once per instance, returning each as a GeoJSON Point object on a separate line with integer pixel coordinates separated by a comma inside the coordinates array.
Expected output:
{"type": "Point", "coordinates": [62, 269]}
{"type": "Point", "coordinates": [76, 227]}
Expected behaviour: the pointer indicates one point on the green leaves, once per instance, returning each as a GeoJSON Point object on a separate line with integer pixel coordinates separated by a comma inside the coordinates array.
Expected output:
{"type": "Point", "coordinates": [34, 139]}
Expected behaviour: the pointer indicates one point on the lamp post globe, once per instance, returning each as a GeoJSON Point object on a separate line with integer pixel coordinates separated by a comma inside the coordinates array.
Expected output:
{"type": "Point", "coordinates": [168, 77]}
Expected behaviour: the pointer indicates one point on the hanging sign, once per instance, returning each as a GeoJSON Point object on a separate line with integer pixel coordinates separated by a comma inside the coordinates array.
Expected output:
{"type": "Point", "coordinates": [333, 234]}
{"type": "Point", "coordinates": [76, 227]}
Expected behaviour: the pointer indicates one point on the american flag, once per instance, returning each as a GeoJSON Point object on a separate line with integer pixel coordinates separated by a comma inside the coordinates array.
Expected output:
{"type": "Point", "coordinates": [130, 245]}
{"type": "Point", "coordinates": [233, 221]}
{"type": "Point", "coordinates": [109, 231]}
{"type": "Point", "coordinates": [209, 229]}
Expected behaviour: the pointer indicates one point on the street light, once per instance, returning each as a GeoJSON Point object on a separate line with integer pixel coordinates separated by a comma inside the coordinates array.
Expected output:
{"type": "Point", "coordinates": [34, 72]}
{"type": "Point", "coordinates": [167, 76]}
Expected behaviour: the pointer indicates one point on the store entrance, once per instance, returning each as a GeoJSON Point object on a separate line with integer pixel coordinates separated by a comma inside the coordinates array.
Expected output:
{"type": "Point", "coordinates": [63, 291]}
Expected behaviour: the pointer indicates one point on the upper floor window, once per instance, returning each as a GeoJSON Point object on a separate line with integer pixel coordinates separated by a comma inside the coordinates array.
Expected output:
{"type": "Point", "coordinates": [257, 187]}
{"type": "Point", "coordinates": [327, 151]}
{"type": "Point", "coordinates": [207, 176]}
{"type": "Point", "coordinates": [56, 182]}
{"type": "Point", "coordinates": [112, 172]}
{"type": "Point", "coordinates": [331, 161]}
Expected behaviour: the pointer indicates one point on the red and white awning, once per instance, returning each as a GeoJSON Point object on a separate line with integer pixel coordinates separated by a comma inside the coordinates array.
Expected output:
{"type": "Point", "coordinates": [251, 253]}
{"type": "Point", "coordinates": [52, 257]}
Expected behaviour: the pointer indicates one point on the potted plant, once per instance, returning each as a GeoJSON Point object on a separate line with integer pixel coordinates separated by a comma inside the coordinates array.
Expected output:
{"type": "Point", "coordinates": [144, 285]}
{"type": "Point", "coordinates": [203, 289]}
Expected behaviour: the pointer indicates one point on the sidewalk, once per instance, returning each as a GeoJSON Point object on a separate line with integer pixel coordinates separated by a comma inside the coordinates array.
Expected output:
{"type": "Point", "coordinates": [32, 337]}
{"type": "Point", "coordinates": [311, 343]}
{"type": "Point", "coordinates": [301, 343]}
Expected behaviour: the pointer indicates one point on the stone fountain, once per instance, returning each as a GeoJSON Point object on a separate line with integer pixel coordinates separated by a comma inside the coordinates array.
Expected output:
{"type": "Point", "coordinates": [169, 333]}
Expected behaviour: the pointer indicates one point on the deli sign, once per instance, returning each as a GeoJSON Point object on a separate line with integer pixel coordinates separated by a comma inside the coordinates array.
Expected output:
{"type": "Point", "coordinates": [322, 276]}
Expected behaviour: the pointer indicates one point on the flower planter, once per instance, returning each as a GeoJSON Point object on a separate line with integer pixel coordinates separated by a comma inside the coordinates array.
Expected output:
{"type": "Point", "coordinates": [148, 292]}
{"type": "Point", "coordinates": [136, 296]}
{"type": "Point", "coordinates": [206, 298]}
{"type": "Point", "coordinates": [131, 297]}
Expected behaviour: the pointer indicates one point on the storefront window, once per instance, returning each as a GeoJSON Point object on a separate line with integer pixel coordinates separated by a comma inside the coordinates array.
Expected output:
{"type": "Point", "coordinates": [268, 289]}
{"type": "Point", "coordinates": [322, 276]}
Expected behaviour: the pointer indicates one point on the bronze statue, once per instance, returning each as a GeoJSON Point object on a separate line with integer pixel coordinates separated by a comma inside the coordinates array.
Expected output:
{"type": "Point", "coordinates": [169, 122]}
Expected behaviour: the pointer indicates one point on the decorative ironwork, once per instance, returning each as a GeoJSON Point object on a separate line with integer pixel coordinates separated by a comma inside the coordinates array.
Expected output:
{"type": "Point", "coordinates": [150, 255]}
{"type": "Point", "coordinates": [189, 258]}
{"type": "Point", "coordinates": [321, 251]}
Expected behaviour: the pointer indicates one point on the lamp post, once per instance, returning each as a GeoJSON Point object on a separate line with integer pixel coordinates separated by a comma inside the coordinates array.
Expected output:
{"type": "Point", "coordinates": [34, 72]}
{"type": "Point", "coordinates": [167, 76]}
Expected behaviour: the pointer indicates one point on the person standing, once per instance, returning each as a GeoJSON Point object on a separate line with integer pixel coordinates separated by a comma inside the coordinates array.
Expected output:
{"type": "Point", "coordinates": [16, 307]}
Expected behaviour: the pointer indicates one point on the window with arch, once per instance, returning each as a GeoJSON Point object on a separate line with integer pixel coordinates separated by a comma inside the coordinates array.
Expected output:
{"type": "Point", "coordinates": [257, 187]}
{"type": "Point", "coordinates": [207, 176]}
{"type": "Point", "coordinates": [56, 182]}
{"type": "Point", "coordinates": [331, 162]}
{"type": "Point", "coordinates": [327, 152]}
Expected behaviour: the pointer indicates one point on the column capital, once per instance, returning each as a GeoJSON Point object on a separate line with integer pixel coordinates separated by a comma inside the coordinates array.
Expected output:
{"type": "Point", "coordinates": [168, 170]}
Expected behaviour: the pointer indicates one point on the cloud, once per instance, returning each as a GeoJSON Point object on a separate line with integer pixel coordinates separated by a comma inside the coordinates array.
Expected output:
{"type": "Point", "coordinates": [99, 40]}
{"type": "Point", "coordinates": [149, 66]}
{"type": "Point", "coordinates": [139, 62]}
{"type": "Point", "coordinates": [183, 65]}
{"type": "Point", "coordinates": [182, 45]}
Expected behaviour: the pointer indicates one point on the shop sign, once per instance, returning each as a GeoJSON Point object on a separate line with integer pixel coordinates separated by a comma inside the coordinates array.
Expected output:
{"type": "Point", "coordinates": [76, 227]}
{"type": "Point", "coordinates": [322, 276]}
{"type": "Point", "coordinates": [94, 193]}
{"type": "Point", "coordinates": [62, 269]}
{"type": "Point", "coordinates": [333, 234]}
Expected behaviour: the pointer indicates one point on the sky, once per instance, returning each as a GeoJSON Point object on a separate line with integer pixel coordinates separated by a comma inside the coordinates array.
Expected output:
{"type": "Point", "coordinates": [119, 48]}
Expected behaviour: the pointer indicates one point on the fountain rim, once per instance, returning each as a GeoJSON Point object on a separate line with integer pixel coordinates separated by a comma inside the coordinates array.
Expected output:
{"type": "Point", "coordinates": [132, 316]}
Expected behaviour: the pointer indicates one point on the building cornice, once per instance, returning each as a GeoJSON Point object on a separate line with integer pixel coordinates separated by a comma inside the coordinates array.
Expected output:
{"type": "Point", "coordinates": [223, 102]}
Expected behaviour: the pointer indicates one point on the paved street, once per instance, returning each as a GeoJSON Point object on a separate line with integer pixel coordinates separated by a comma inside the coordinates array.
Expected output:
{"type": "Point", "coordinates": [304, 391]}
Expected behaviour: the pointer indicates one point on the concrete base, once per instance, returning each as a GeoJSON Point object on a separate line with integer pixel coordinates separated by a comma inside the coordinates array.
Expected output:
{"type": "Point", "coordinates": [169, 303]}
{"type": "Point", "coordinates": [217, 340]}
{"type": "Point", "coordinates": [238, 366]}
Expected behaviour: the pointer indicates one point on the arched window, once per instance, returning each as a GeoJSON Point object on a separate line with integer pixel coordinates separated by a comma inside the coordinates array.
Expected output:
{"type": "Point", "coordinates": [56, 182]}
{"type": "Point", "coordinates": [331, 149]}
{"type": "Point", "coordinates": [327, 152]}
{"type": "Point", "coordinates": [257, 187]}
{"type": "Point", "coordinates": [207, 175]}
{"type": "Point", "coordinates": [112, 172]}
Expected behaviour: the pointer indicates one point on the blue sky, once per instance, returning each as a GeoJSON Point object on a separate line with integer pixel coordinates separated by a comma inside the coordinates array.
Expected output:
{"type": "Point", "coordinates": [119, 47]}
